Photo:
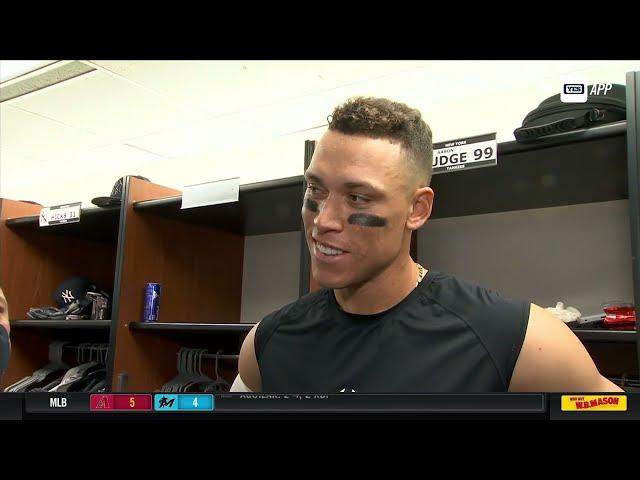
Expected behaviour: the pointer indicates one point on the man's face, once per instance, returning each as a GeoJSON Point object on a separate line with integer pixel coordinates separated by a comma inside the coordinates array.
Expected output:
{"type": "Point", "coordinates": [355, 208]}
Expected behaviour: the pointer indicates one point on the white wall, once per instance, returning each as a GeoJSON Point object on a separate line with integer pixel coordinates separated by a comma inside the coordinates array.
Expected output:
{"type": "Point", "coordinates": [269, 257]}
{"type": "Point", "coordinates": [184, 122]}
{"type": "Point", "coordinates": [578, 254]}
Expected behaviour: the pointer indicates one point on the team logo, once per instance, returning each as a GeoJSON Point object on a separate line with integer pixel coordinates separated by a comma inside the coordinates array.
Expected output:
{"type": "Point", "coordinates": [102, 403]}
{"type": "Point", "coordinates": [67, 296]}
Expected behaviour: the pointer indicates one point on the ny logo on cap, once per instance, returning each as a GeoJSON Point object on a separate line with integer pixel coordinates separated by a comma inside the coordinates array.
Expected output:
{"type": "Point", "coordinates": [67, 296]}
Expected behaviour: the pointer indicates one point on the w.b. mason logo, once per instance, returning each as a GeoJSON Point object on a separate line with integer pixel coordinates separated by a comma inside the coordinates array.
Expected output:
{"type": "Point", "coordinates": [67, 296]}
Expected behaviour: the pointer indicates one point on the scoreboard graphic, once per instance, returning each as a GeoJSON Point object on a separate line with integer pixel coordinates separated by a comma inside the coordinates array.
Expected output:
{"type": "Point", "coordinates": [162, 402]}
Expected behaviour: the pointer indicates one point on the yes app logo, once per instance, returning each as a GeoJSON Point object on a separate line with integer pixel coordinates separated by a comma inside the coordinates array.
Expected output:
{"type": "Point", "coordinates": [573, 90]}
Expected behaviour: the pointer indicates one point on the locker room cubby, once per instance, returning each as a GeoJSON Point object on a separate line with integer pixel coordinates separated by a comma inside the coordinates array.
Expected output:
{"type": "Point", "coordinates": [197, 255]}
{"type": "Point", "coordinates": [35, 260]}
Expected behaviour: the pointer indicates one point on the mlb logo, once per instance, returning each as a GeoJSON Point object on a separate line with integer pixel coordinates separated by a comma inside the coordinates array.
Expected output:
{"type": "Point", "coordinates": [573, 91]}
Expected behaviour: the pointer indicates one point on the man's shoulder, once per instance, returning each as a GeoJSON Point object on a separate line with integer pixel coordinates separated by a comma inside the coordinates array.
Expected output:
{"type": "Point", "coordinates": [499, 322]}
{"type": "Point", "coordinates": [468, 299]}
{"type": "Point", "coordinates": [297, 308]}
{"type": "Point", "coordinates": [290, 313]}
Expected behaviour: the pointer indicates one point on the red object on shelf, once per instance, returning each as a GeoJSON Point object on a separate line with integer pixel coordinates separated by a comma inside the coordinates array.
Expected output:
{"type": "Point", "coordinates": [619, 315]}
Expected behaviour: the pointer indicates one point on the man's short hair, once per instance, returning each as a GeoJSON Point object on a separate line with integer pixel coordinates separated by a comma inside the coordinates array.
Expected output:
{"type": "Point", "coordinates": [383, 118]}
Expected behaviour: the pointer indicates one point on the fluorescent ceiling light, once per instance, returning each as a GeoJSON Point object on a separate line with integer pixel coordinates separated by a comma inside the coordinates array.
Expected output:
{"type": "Point", "coordinates": [40, 77]}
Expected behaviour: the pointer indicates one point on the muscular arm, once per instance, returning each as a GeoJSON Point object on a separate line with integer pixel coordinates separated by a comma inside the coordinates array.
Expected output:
{"type": "Point", "coordinates": [552, 359]}
{"type": "Point", "coordinates": [249, 373]}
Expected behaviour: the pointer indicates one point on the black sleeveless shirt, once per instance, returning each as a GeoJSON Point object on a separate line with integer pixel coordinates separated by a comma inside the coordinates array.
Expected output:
{"type": "Point", "coordinates": [447, 335]}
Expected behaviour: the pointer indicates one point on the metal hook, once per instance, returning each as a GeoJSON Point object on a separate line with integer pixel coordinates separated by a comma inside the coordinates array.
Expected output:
{"type": "Point", "coordinates": [190, 361]}
{"type": "Point", "coordinates": [55, 352]}
{"type": "Point", "coordinates": [83, 349]}
{"type": "Point", "coordinates": [187, 359]}
{"type": "Point", "coordinates": [217, 357]}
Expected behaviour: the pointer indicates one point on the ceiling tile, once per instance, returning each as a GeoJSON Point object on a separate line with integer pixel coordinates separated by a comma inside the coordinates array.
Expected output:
{"type": "Point", "coordinates": [348, 71]}
{"type": "Point", "coordinates": [222, 87]}
{"type": "Point", "coordinates": [29, 135]}
{"type": "Point", "coordinates": [77, 172]}
{"type": "Point", "coordinates": [104, 105]}
{"type": "Point", "coordinates": [246, 128]}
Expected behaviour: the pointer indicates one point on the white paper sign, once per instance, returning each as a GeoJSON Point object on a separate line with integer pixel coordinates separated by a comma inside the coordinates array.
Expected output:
{"type": "Point", "coordinates": [67, 213]}
{"type": "Point", "coordinates": [465, 153]}
{"type": "Point", "coordinates": [211, 193]}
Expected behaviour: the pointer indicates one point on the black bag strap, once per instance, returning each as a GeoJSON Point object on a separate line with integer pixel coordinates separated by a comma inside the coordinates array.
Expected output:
{"type": "Point", "coordinates": [527, 134]}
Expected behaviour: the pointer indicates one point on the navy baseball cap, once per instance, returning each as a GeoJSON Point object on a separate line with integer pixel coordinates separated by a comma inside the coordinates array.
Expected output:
{"type": "Point", "coordinates": [72, 289]}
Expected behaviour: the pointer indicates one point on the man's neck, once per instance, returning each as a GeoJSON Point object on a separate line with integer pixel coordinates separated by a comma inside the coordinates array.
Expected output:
{"type": "Point", "coordinates": [381, 293]}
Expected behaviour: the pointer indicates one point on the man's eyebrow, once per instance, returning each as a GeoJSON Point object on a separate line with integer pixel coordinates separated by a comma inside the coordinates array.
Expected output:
{"type": "Point", "coordinates": [365, 185]}
{"type": "Point", "coordinates": [312, 177]}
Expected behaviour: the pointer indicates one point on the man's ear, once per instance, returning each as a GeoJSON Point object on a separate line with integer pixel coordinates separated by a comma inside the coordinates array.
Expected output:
{"type": "Point", "coordinates": [420, 209]}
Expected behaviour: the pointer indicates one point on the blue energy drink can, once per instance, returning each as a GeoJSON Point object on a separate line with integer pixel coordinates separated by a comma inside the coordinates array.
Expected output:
{"type": "Point", "coordinates": [151, 302]}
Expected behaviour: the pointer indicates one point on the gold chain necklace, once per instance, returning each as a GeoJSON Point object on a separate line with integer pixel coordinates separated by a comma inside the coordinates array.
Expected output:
{"type": "Point", "coordinates": [421, 273]}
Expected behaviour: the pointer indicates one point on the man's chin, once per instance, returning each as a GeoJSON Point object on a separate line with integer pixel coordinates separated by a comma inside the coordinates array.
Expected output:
{"type": "Point", "coordinates": [330, 281]}
{"type": "Point", "coordinates": [332, 285]}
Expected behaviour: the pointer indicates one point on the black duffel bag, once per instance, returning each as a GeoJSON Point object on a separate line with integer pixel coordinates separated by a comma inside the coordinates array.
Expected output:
{"type": "Point", "coordinates": [553, 116]}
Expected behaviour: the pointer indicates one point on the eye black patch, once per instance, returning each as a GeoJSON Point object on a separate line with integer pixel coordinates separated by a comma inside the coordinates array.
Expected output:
{"type": "Point", "coordinates": [311, 205]}
{"type": "Point", "coordinates": [367, 220]}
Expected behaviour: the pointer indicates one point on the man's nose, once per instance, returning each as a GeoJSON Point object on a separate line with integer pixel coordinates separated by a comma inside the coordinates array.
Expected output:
{"type": "Point", "coordinates": [329, 217]}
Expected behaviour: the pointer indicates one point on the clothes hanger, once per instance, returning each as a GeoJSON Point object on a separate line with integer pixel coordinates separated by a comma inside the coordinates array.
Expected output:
{"type": "Point", "coordinates": [171, 384]}
{"type": "Point", "coordinates": [40, 376]}
{"type": "Point", "coordinates": [220, 384]}
{"type": "Point", "coordinates": [190, 370]}
{"type": "Point", "coordinates": [200, 377]}
{"type": "Point", "coordinates": [75, 374]}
